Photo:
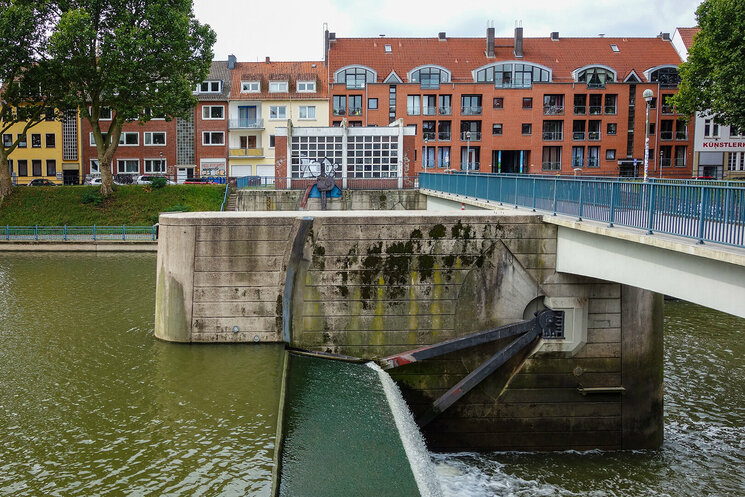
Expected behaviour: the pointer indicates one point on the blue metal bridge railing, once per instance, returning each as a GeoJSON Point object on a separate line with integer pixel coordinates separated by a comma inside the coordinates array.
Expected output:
{"type": "Point", "coordinates": [705, 212]}
{"type": "Point", "coordinates": [79, 233]}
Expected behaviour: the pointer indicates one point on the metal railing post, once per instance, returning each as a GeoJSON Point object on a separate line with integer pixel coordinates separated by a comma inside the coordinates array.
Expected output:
{"type": "Point", "coordinates": [515, 193]}
{"type": "Point", "coordinates": [500, 190]}
{"type": "Point", "coordinates": [36, 232]}
{"type": "Point", "coordinates": [7, 232]}
{"type": "Point", "coordinates": [534, 180]}
{"type": "Point", "coordinates": [94, 232]}
{"type": "Point", "coordinates": [612, 213]}
{"type": "Point", "coordinates": [556, 181]}
{"type": "Point", "coordinates": [488, 183]}
{"type": "Point", "coordinates": [581, 199]}
{"type": "Point", "coordinates": [124, 232]}
{"type": "Point", "coordinates": [65, 232]}
{"type": "Point", "coordinates": [701, 216]}
{"type": "Point", "coordinates": [153, 230]}
{"type": "Point", "coordinates": [650, 222]}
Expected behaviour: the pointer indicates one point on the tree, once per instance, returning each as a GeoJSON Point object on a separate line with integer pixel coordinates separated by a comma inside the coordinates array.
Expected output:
{"type": "Point", "coordinates": [21, 74]}
{"type": "Point", "coordinates": [135, 59]}
{"type": "Point", "coordinates": [712, 78]}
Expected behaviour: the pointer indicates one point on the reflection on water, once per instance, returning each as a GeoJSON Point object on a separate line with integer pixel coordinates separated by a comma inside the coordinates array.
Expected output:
{"type": "Point", "coordinates": [704, 448]}
{"type": "Point", "coordinates": [91, 403]}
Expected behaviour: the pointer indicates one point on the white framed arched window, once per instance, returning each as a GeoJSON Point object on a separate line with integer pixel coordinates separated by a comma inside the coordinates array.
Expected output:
{"type": "Point", "coordinates": [512, 74]}
{"type": "Point", "coordinates": [595, 76]}
{"type": "Point", "coordinates": [355, 76]}
{"type": "Point", "coordinates": [429, 76]}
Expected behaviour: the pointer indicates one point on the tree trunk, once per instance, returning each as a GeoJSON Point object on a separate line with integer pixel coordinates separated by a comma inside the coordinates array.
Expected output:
{"type": "Point", "coordinates": [6, 182]}
{"type": "Point", "coordinates": [107, 179]}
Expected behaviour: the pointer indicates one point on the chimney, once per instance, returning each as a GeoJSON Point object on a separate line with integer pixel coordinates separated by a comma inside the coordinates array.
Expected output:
{"type": "Point", "coordinates": [554, 36]}
{"type": "Point", "coordinates": [267, 59]}
{"type": "Point", "coordinates": [231, 62]}
{"type": "Point", "coordinates": [490, 42]}
{"type": "Point", "coordinates": [442, 36]}
{"type": "Point", "coordinates": [519, 41]}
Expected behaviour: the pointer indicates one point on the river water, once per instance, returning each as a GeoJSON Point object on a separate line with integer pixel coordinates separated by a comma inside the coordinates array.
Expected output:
{"type": "Point", "coordinates": [92, 404]}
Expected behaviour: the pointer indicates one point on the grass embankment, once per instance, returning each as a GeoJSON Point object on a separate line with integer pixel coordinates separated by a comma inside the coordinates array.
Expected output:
{"type": "Point", "coordinates": [133, 205]}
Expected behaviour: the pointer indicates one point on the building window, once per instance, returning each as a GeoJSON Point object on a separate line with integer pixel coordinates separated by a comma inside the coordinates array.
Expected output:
{"type": "Point", "coordinates": [213, 112]}
{"type": "Point", "coordinates": [578, 157]}
{"type": "Point", "coordinates": [680, 156]}
{"type": "Point", "coordinates": [213, 138]}
{"type": "Point", "coordinates": [596, 107]}
{"type": "Point", "coordinates": [553, 104]}
{"type": "Point", "coordinates": [209, 87]}
{"type": "Point", "coordinates": [443, 157]}
{"type": "Point", "coordinates": [428, 157]}
{"type": "Point", "coordinates": [496, 129]}
{"type": "Point", "coordinates": [428, 130]}
{"type": "Point", "coordinates": [51, 167]}
{"type": "Point", "coordinates": [51, 140]}
{"type": "Point", "coordinates": [129, 139]}
{"type": "Point", "coordinates": [21, 141]}
{"type": "Point", "coordinates": [512, 75]}
{"type": "Point", "coordinates": [372, 156]}
{"type": "Point", "coordinates": [580, 104]}
{"type": "Point", "coordinates": [22, 167]}
{"type": "Point", "coordinates": [372, 103]}
{"type": "Point", "coordinates": [444, 129]}
{"type": "Point", "coordinates": [445, 105]}
{"type": "Point", "coordinates": [667, 77]}
{"type": "Point", "coordinates": [413, 105]}
{"type": "Point", "coordinates": [36, 167]}
{"type": "Point", "coordinates": [35, 140]}
{"type": "Point", "coordinates": [271, 141]}
{"type": "Point", "coordinates": [499, 102]}
{"type": "Point", "coordinates": [250, 86]}
{"type": "Point", "coordinates": [355, 105]}
{"type": "Point", "coordinates": [93, 138]}
{"type": "Point", "coordinates": [610, 104]}
{"type": "Point", "coordinates": [430, 78]}
{"type": "Point", "coordinates": [103, 115]}
{"type": "Point", "coordinates": [94, 167]}
{"type": "Point", "coordinates": [596, 77]}
{"type": "Point", "coordinates": [278, 87]}
{"type": "Point", "coordinates": [610, 154]}
{"type": "Point", "coordinates": [155, 166]}
{"type": "Point", "coordinates": [551, 159]}
{"type": "Point", "coordinates": [340, 105]}
{"type": "Point", "coordinates": [355, 77]}
{"type": "Point", "coordinates": [553, 130]}
{"type": "Point", "coordinates": [388, 48]}
{"type": "Point", "coordinates": [527, 102]}
{"type": "Point", "coordinates": [612, 128]}
{"type": "Point", "coordinates": [307, 112]}
{"type": "Point", "coordinates": [470, 105]}
{"type": "Point", "coordinates": [277, 112]}
{"type": "Point", "coordinates": [155, 138]}
{"type": "Point", "coordinates": [593, 156]}
{"type": "Point", "coordinates": [527, 129]}
{"type": "Point", "coordinates": [666, 129]}
{"type": "Point", "coordinates": [127, 166]}
{"type": "Point", "coordinates": [711, 129]}
{"type": "Point", "coordinates": [7, 140]}
{"type": "Point", "coordinates": [652, 128]}
{"type": "Point", "coordinates": [429, 105]}
{"type": "Point", "coordinates": [306, 86]}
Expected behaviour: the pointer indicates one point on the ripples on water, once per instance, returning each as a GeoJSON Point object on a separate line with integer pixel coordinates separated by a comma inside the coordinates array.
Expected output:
{"type": "Point", "coordinates": [704, 448]}
{"type": "Point", "coordinates": [91, 404]}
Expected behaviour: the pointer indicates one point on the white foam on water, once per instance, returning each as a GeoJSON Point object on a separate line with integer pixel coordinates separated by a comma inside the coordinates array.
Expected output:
{"type": "Point", "coordinates": [413, 442]}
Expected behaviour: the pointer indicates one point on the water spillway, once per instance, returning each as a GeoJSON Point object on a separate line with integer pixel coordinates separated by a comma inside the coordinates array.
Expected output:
{"type": "Point", "coordinates": [348, 432]}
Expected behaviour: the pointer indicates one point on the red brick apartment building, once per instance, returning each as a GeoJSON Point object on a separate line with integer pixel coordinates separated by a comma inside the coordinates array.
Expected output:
{"type": "Point", "coordinates": [210, 135]}
{"type": "Point", "coordinates": [535, 105]}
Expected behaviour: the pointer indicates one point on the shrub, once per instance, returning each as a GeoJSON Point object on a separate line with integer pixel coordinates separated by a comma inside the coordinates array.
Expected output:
{"type": "Point", "coordinates": [159, 182]}
{"type": "Point", "coordinates": [91, 198]}
{"type": "Point", "coordinates": [177, 208]}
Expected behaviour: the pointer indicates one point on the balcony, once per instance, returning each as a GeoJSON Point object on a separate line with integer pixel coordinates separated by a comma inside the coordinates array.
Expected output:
{"type": "Point", "coordinates": [666, 135]}
{"type": "Point", "coordinates": [611, 111]}
{"type": "Point", "coordinates": [413, 111]}
{"type": "Point", "coordinates": [580, 110]}
{"type": "Point", "coordinates": [467, 110]}
{"type": "Point", "coordinates": [553, 110]}
{"type": "Point", "coordinates": [246, 124]}
{"type": "Point", "coordinates": [428, 135]}
{"type": "Point", "coordinates": [443, 136]}
{"type": "Point", "coordinates": [429, 111]}
{"type": "Point", "coordinates": [247, 152]}
{"type": "Point", "coordinates": [596, 110]}
{"type": "Point", "coordinates": [552, 136]}
{"type": "Point", "coordinates": [475, 136]}
{"type": "Point", "coordinates": [446, 110]}
{"type": "Point", "coordinates": [578, 135]}
{"type": "Point", "coordinates": [594, 135]}
{"type": "Point", "coordinates": [551, 166]}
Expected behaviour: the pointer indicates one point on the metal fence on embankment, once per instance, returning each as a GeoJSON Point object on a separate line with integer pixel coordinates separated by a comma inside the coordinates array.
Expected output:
{"type": "Point", "coordinates": [349, 183]}
{"type": "Point", "coordinates": [79, 233]}
{"type": "Point", "coordinates": [704, 212]}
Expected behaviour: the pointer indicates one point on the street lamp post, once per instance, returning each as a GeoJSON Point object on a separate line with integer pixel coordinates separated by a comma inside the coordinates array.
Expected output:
{"type": "Point", "coordinates": [468, 151]}
{"type": "Point", "coordinates": [648, 97]}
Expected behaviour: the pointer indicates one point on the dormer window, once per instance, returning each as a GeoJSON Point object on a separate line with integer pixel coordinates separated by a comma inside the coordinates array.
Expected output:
{"type": "Point", "coordinates": [306, 86]}
{"type": "Point", "coordinates": [355, 77]}
{"type": "Point", "coordinates": [429, 77]}
{"type": "Point", "coordinates": [209, 87]}
{"type": "Point", "coordinates": [512, 74]}
{"type": "Point", "coordinates": [596, 76]}
{"type": "Point", "coordinates": [250, 86]}
{"type": "Point", "coordinates": [668, 77]}
{"type": "Point", "coordinates": [278, 87]}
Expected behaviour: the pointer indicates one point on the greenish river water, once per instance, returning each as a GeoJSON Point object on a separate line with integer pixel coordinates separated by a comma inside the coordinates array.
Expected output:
{"type": "Point", "coordinates": [92, 404]}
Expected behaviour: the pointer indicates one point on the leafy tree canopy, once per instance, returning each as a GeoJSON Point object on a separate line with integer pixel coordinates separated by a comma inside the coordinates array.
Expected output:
{"type": "Point", "coordinates": [713, 78]}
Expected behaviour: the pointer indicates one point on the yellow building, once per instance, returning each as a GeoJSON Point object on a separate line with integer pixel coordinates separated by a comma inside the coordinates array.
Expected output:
{"type": "Point", "coordinates": [265, 96]}
{"type": "Point", "coordinates": [51, 150]}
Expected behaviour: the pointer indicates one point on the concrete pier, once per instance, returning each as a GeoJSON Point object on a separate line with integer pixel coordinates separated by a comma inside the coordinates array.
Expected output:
{"type": "Point", "coordinates": [372, 283]}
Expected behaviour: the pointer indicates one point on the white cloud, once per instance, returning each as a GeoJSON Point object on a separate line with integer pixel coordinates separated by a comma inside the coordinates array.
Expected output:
{"type": "Point", "coordinates": [293, 30]}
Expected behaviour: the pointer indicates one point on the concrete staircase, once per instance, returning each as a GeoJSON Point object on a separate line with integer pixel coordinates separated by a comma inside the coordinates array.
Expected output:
{"type": "Point", "coordinates": [232, 200]}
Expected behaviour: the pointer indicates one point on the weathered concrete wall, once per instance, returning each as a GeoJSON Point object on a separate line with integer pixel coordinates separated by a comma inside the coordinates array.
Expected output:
{"type": "Point", "coordinates": [290, 200]}
{"type": "Point", "coordinates": [370, 284]}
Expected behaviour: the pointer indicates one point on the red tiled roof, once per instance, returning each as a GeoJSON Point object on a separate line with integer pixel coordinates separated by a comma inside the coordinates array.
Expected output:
{"type": "Point", "coordinates": [462, 55]}
{"type": "Point", "coordinates": [279, 71]}
{"type": "Point", "coordinates": [687, 34]}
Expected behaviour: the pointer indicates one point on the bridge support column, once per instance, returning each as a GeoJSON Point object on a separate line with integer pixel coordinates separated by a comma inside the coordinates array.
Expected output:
{"type": "Point", "coordinates": [641, 368]}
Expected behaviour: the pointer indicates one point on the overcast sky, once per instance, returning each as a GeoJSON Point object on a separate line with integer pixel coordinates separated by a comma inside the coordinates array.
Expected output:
{"type": "Point", "coordinates": [293, 30]}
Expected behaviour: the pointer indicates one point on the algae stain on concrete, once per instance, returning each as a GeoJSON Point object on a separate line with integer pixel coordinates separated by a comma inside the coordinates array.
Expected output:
{"type": "Point", "coordinates": [171, 310]}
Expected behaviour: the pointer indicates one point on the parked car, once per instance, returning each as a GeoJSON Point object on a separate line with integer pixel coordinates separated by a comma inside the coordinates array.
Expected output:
{"type": "Point", "coordinates": [41, 182]}
{"type": "Point", "coordinates": [146, 179]}
{"type": "Point", "coordinates": [198, 181]}
{"type": "Point", "coordinates": [93, 181]}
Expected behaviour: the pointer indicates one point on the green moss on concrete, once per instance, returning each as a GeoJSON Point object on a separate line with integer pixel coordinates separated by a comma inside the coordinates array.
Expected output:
{"type": "Point", "coordinates": [438, 231]}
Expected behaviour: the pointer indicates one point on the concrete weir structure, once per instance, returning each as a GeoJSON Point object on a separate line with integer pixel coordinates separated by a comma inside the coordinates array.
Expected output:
{"type": "Point", "coordinates": [373, 283]}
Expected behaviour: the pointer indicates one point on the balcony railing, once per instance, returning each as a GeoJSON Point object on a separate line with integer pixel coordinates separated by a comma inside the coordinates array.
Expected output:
{"type": "Point", "coordinates": [443, 135]}
{"type": "Point", "coordinates": [552, 166]}
{"type": "Point", "coordinates": [470, 166]}
{"type": "Point", "coordinates": [355, 112]}
{"type": "Point", "coordinates": [445, 110]}
{"type": "Point", "coordinates": [578, 135]}
{"type": "Point", "coordinates": [593, 162]}
{"type": "Point", "coordinates": [596, 110]}
{"type": "Point", "coordinates": [474, 136]}
{"type": "Point", "coordinates": [667, 109]}
{"type": "Point", "coordinates": [340, 112]}
{"type": "Point", "coordinates": [428, 135]}
{"type": "Point", "coordinates": [469, 110]}
{"type": "Point", "coordinates": [413, 111]}
{"type": "Point", "coordinates": [680, 162]}
{"type": "Point", "coordinates": [246, 152]}
{"type": "Point", "coordinates": [246, 123]}
{"type": "Point", "coordinates": [580, 109]}
{"type": "Point", "coordinates": [666, 162]}
{"type": "Point", "coordinates": [666, 135]}
{"type": "Point", "coordinates": [553, 135]}
{"type": "Point", "coordinates": [578, 163]}
{"type": "Point", "coordinates": [681, 135]}
{"type": "Point", "coordinates": [594, 135]}
{"type": "Point", "coordinates": [611, 111]}
{"type": "Point", "coordinates": [553, 110]}
{"type": "Point", "coordinates": [429, 111]}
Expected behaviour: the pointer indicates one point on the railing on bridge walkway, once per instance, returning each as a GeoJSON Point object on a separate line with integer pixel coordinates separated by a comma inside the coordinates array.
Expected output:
{"type": "Point", "coordinates": [79, 233]}
{"type": "Point", "coordinates": [352, 183]}
{"type": "Point", "coordinates": [704, 212]}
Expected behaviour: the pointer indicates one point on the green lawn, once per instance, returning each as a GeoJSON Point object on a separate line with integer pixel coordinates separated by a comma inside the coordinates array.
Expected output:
{"type": "Point", "coordinates": [133, 205]}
